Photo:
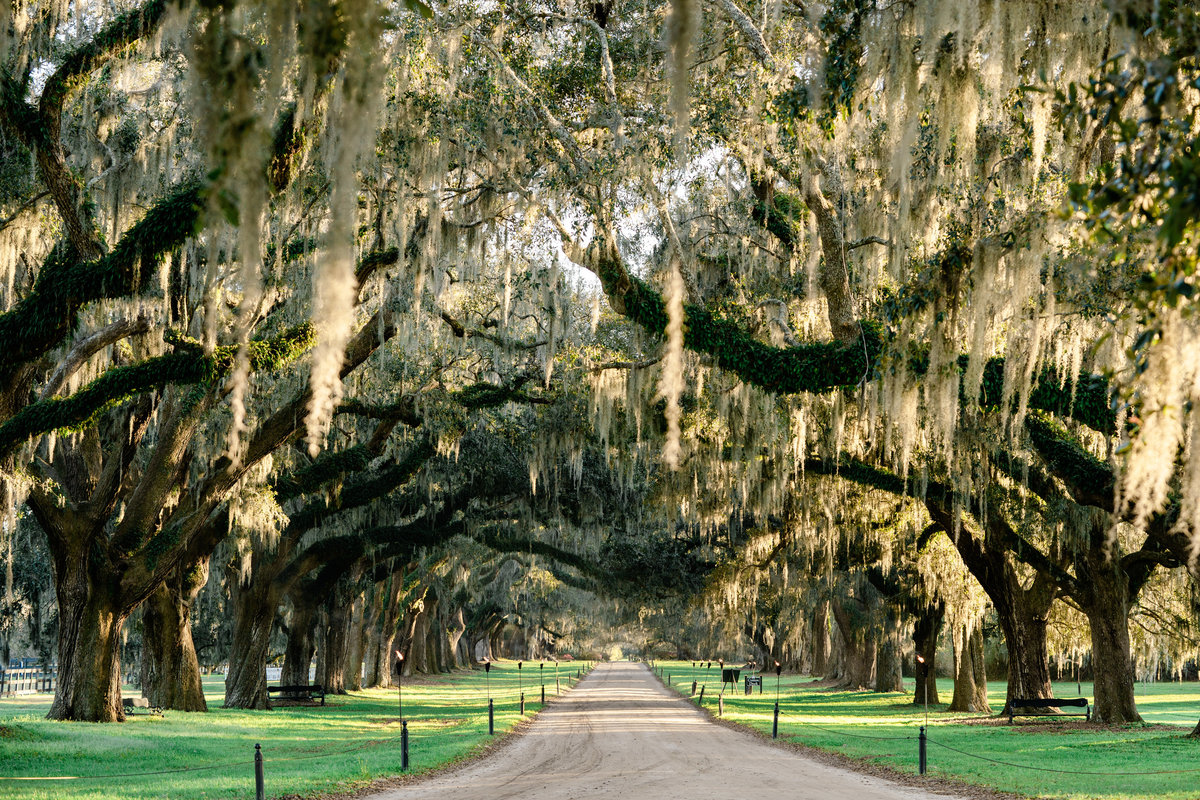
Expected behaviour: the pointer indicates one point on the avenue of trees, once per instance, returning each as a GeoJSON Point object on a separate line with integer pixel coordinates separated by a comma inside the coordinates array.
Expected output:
{"type": "Point", "coordinates": [822, 331]}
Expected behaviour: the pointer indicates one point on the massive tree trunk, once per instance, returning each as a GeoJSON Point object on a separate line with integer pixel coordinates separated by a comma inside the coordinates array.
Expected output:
{"type": "Point", "coordinates": [335, 645]}
{"type": "Point", "coordinates": [970, 676]}
{"type": "Point", "coordinates": [301, 643]}
{"type": "Point", "coordinates": [1023, 611]}
{"type": "Point", "coordinates": [888, 675]}
{"type": "Point", "coordinates": [170, 669]}
{"type": "Point", "coordinates": [820, 639]}
{"type": "Point", "coordinates": [925, 640]}
{"type": "Point", "coordinates": [454, 639]}
{"type": "Point", "coordinates": [858, 643]}
{"type": "Point", "coordinates": [253, 609]}
{"type": "Point", "coordinates": [389, 632]}
{"type": "Point", "coordinates": [354, 659]}
{"type": "Point", "coordinates": [89, 633]}
{"type": "Point", "coordinates": [1104, 597]}
{"type": "Point", "coordinates": [372, 621]}
{"type": "Point", "coordinates": [1024, 615]}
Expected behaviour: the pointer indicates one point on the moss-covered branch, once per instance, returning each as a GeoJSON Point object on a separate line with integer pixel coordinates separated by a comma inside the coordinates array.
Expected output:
{"type": "Point", "coordinates": [124, 30]}
{"type": "Point", "coordinates": [45, 316]}
{"type": "Point", "coordinates": [360, 491]}
{"type": "Point", "coordinates": [117, 384]}
{"type": "Point", "coordinates": [816, 368]}
{"type": "Point", "coordinates": [329, 466]}
{"type": "Point", "coordinates": [1089, 480]}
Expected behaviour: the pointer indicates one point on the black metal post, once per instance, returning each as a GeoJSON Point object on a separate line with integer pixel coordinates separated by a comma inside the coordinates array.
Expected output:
{"type": "Point", "coordinates": [491, 719]}
{"type": "Point", "coordinates": [702, 695]}
{"type": "Point", "coordinates": [921, 751]}
{"type": "Point", "coordinates": [259, 792]}
{"type": "Point", "coordinates": [522, 704]}
{"type": "Point", "coordinates": [542, 677]}
{"type": "Point", "coordinates": [775, 724]}
{"type": "Point", "coordinates": [543, 694]}
{"type": "Point", "coordinates": [404, 745]}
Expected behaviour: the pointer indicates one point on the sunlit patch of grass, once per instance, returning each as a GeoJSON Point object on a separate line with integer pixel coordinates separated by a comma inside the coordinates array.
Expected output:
{"type": "Point", "coordinates": [306, 750]}
{"type": "Point", "coordinates": [1036, 758]}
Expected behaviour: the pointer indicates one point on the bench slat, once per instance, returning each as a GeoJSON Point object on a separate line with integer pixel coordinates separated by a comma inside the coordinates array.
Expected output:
{"type": "Point", "coordinates": [1051, 702]}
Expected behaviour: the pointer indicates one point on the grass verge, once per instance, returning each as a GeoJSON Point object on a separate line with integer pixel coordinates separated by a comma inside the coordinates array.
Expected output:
{"type": "Point", "coordinates": [1038, 758]}
{"type": "Point", "coordinates": [308, 751]}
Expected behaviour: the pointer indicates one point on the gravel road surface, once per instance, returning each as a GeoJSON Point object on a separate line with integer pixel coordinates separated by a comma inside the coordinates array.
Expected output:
{"type": "Point", "coordinates": [621, 734]}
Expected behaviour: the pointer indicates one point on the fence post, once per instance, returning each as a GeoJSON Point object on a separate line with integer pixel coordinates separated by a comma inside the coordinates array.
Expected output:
{"type": "Point", "coordinates": [921, 751]}
{"type": "Point", "coordinates": [259, 794]}
{"type": "Point", "coordinates": [404, 745]}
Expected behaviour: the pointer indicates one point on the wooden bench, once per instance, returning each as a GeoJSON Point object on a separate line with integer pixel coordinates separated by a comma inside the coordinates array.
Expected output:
{"type": "Point", "coordinates": [1046, 704]}
{"type": "Point", "coordinates": [298, 692]}
{"type": "Point", "coordinates": [131, 704]}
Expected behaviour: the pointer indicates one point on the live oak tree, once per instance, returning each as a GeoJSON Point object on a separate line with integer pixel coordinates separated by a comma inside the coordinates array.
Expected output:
{"type": "Point", "coordinates": [844, 220]}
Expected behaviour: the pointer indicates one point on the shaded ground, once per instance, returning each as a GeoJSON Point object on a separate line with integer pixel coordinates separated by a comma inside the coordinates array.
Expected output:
{"type": "Point", "coordinates": [621, 733]}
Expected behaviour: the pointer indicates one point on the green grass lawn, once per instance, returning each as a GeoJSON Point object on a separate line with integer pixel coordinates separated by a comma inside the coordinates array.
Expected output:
{"type": "Point", "coordinates": [883, 728]}
{"type": "Point", "coordinates": [306, 750]}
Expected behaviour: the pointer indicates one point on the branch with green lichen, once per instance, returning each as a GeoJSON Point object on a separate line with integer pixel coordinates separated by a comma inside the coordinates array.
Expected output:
{"type": "Point", "coordinates": [1089, 480]}
{"type": "Point", "coordinates": [120, 383]}
{"type": "Point", "coordinates": [66, 283]}
{"type": "Point", "coordinates": [122, 31]}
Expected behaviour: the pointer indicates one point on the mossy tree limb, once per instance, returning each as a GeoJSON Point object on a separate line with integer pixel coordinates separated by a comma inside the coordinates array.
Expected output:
{"type": "Point", "coordinates": [120, 383]}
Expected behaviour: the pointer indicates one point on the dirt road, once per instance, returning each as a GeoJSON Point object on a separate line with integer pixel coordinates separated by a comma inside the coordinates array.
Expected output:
{"type": "Point", "coordinates": [621, 734]}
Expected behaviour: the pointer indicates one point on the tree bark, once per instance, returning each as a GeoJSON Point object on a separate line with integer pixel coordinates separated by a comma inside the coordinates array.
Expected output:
{"type": "Point", "coordinates": [1104, 597]}
{"type": "Point", "coordinates": [336, 647]}
{"type": "Point", "coordinates": [388, 631]}
{"type": "Point", "coordinates": [301, 644]}
{"type": "Point", "coordinates": [888, 675]}
{"type": "Point", "coordinates": [253, 615]}
{"type": "Point", "coordinates": [89, 634]}
{"type": "Point", "coordinates": [859, 645]}
{"type": "Point", "coordinates": [170, 668]}
{"type": "Point", "coordinates": [820, 639]}
{"type": "Point", "coordinates": [1024, 617]}
{"type": "Point", "coordinates": [354, 658]}
{"type": "Point", "coordinates": [454, 638]}
{"type": "Point", "coordinates": [925, 638]}
{"type": "Point", "coordinates": [372, 622]}
{"type": "Point", "coordinates": [970, 676]}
